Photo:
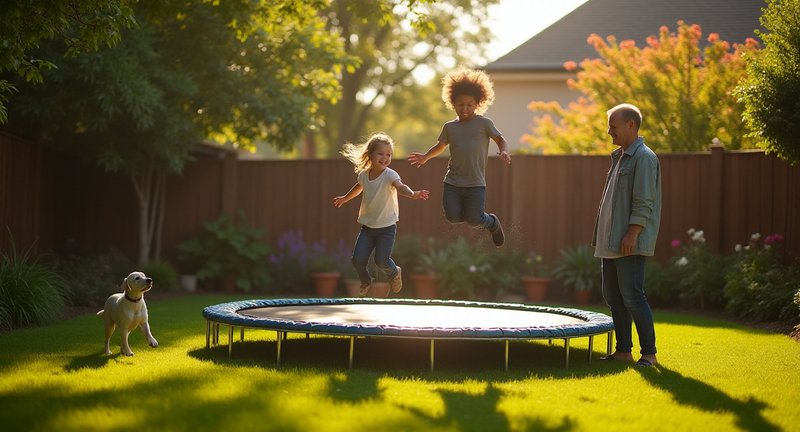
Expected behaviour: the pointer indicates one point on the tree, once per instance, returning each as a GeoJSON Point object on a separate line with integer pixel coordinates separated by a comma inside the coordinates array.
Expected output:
{"type": "Point", "coordinates": [82, 25]}
{"type": "Point", "coordinates": [235, 72]}
{"type": "Point", "coordinates": [684, 91]}
{"type": "Point", "coordinates": [412, 117]}
{"type": "Point", "coordinates": [391, 40]}
{"type": "Point", "coordinates": [771, 92]}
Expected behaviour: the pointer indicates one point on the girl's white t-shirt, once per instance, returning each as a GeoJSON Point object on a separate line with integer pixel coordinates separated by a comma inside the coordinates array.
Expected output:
{"type": "Point", "coordinates": [379, 208]}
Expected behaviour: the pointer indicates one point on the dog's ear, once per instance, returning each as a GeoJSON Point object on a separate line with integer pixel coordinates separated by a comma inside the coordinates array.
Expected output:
{"type": "Point", "coordinates": [122, 285]}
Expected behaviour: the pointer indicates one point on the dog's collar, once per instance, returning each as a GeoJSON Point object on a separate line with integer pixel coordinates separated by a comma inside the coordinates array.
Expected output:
{"type": "Point", "coordinates": [131, 299]}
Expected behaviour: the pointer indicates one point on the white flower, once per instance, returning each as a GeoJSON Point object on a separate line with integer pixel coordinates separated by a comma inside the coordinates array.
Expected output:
{"type": "Point", "coordinates": [698, 236]}
{"type": "Point", "coordinates": [737, 248]}
{"type": "Point", "coordinates": [755, 237]}
{"type": "Point", "coordinates": [690, 232]}
{"type": "Point", "coordinates": [682, 262]}
{"type": "Point", "coordinates": [766, 247]}
{"type": "Point", "coordinates": [472, 269]}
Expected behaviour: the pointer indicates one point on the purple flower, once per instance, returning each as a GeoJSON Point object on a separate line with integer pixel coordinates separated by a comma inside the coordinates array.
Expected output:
{"type": "Point", "coordinates": [772, 239]}
{"type": "Point", "coordinates": [676, 243]}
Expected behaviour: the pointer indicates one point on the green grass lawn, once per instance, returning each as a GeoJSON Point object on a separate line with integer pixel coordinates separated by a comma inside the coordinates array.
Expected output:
{"type": "Point", "coordinates": [715, 375]}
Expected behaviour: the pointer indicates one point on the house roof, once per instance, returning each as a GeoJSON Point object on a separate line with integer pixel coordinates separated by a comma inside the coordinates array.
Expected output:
{"type": "Point", "coordinates": [565, 39]}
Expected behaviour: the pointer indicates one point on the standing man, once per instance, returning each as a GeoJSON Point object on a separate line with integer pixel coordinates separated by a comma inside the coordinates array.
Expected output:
{"type": "Point", "coordinates": [625, 233]}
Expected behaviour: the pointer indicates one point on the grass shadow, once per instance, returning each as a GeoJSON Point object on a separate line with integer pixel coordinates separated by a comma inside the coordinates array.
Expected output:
{"type": "Point", "coordinates": [694, 393]}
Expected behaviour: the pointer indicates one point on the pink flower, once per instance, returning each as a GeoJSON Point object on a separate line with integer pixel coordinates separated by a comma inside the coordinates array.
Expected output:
{"type": "Point", "coordinates": [570, 65]}
{"type": "Point", "coordinates": [713, 37]}
{"type": "Point", "coordinates": [676, 243]}
{"type": "Point", "coordinates": [772, 239]}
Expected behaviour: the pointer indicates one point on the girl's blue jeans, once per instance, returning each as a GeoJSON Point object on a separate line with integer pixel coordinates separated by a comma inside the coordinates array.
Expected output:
{"type": "Point", "coordinates": [623, 290]}
{"type": "Point", "coordinates": [381, 240]}
{"type": "Point", "coordinates": [466, 204]}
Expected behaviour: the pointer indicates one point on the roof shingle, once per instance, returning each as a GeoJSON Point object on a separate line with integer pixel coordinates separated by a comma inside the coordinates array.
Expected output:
{"type": "Point", "coordinates": [566, 39]}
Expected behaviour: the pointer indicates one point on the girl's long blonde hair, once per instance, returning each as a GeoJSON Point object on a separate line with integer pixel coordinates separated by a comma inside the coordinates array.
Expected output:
{"type": "Point", "coordinates": [358, 154]}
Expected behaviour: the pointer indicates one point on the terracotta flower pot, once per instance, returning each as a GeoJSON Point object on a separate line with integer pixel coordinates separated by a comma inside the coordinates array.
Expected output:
{"type": "Point", "coordinates": [425, 286]}
{"type": "Point", "coordinates": [378, 290]}
{"type": "Point", "coordinates": [535, 288]}
{"type": "Point", "coordinates": [325, 283]}
{"type": "Point", "coordinates": [352, 287]}
{"type": "Point", "coordinates": [582, 297]}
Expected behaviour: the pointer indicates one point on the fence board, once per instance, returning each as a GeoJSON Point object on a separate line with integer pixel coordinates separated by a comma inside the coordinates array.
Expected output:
{"type": "Point", "coordinates": [545, 202]}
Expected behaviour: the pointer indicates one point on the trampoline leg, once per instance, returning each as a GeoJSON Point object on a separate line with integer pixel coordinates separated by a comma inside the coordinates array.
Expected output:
{"type": "Point", "coordinates": [208, 334]}
{"type": "Point", "coordinates": [241, 335]}
{"type": "Point", "coordinates": [230, 340]}
{"type": "Point", "coordinates": [506, 361]}
{"type": "Point", "coordinates": [591, 345]}
{"type": "Point", "coordinates": [610, 342]}
{"type": "Point", "coordinates": [431, 355]}
{"type": "Point", "coordinates": [278, 356]}
{"type": "Point", "coordinates": [566, 352]}
{"type": "Point", "coordinates": [352, 343]}
{"type": "Point", "coordinates": [216, 333]}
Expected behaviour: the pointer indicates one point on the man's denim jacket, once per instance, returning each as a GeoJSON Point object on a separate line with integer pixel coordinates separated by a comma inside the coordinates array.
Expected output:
{"type": "Point", "coordinates": [637, 198]}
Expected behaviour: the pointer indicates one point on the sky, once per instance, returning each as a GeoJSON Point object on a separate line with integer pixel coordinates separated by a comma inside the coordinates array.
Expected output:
{"type": "Point", "coordinates": [515, 21]}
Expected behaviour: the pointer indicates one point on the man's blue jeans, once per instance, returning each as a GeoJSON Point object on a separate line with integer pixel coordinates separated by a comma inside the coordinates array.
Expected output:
{"type": "Point", "coordinates": [466, 204]}
{"type": "Point", "coordinates": [381, 240]}
{"type": "Point", "coordinates": [623, 290]}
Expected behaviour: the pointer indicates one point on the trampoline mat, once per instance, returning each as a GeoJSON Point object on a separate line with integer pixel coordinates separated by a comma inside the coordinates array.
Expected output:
{"type": "Point", "coordinates": [413, 316]}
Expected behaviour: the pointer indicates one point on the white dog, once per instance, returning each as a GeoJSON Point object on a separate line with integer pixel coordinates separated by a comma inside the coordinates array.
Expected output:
{"type": "Point", "coordinates": [128, 311]}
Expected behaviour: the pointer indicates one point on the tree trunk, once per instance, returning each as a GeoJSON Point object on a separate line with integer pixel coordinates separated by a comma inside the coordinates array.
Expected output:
{"type": "Point", "coordinates": [150, 193]}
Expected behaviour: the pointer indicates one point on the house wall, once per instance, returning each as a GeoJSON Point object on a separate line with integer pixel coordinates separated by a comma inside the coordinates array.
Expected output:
{"type": "Point", "coordinates": [513, 93]}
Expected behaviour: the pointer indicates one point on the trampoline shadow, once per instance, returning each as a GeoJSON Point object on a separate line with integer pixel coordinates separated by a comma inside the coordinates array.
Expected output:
{"type": "Point", "coordinates": [403, 357]}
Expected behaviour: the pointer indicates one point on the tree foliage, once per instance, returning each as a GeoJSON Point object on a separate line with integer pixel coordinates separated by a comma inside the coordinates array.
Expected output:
{"type": "Point", "coordinates": [235, 72]}
{"type": "Point", "coordinates": [771, 92]}
{"type": "Point", "coordinates": [391, 40]}
{"type": "Point", "coordinates": [82, 26]}
{"type": "Point", "coordinates": [685, 92]}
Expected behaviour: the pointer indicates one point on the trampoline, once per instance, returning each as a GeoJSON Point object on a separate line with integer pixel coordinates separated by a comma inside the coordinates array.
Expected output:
{"type": "Point", "coordinates": [407, 318]}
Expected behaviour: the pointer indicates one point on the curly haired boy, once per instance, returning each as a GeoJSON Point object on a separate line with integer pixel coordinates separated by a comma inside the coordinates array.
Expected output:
{"type": "Point", "coordinates": [469, 93]}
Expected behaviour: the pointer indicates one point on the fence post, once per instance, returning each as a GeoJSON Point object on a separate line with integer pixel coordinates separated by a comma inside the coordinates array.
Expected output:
{"type": "Point", "coordinates": [715, 203]}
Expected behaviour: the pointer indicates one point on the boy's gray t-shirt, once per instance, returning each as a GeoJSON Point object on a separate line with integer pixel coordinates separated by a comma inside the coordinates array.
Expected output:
{"type": "Point", "coordinates": [469, 150]}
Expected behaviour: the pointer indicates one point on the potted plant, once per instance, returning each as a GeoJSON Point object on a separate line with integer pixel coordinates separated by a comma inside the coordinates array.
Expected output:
{"type": "Point", "coordinates": [579, 269]}
{"type": "Point", "coordinates": [425, 274]}
{"type": "Point", "coordinates": [464, 270]}
{"type": "Point", "coordinates": [229, 252]}
{"type": "Point", "coordinates": [351, 282]}
{"type": "Point", "coordinates": [535, 277]}
{"type": "Point", "coordinates": [326, 268]}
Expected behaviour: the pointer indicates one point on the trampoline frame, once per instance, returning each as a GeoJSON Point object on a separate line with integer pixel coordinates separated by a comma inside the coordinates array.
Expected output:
{"type": "Point", "coordinates": [228, 314]}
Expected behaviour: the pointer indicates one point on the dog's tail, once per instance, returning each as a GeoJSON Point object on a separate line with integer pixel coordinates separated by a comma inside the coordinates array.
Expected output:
{"type": "Point", "coordinates": [101, 312]}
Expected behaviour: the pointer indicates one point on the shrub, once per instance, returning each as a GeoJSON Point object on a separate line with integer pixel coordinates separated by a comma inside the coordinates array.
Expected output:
{"type": "Point", "coordinates": [699, 271]}
{"type": "Point", "coordinates": [407, 251]}
{"type": "Point", "coordinates": [661, 288]}
{"type": "Point", "coordinates": [289, 263]}
{"type": "Point", "coordinates": [164, 275]}
{"type": "Point", "coordinates": [506, 267]}
{"type": "Point", "coordinates": [31, 293]}
{"type": "Point", "coordinates": [758, 285]}
{"type": "Point", "coordinates": [579, 268]}
{"type": "Point", "coordinates": [461, 267]}
{"type": "Point", "coordinates": [91, 279]}
{"type": "Point", "coordinates": [226, 249]}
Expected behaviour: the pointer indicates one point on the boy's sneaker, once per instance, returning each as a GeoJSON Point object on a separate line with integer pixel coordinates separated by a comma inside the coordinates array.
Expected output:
{"type": "Point", "coordinates": [397, 281]}
{"type": "Point", "coordinates": [498, 237]}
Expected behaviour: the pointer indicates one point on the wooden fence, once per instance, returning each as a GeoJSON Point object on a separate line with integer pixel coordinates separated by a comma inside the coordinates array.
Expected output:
{"type": "Point", "coordinates": [545, 202]}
